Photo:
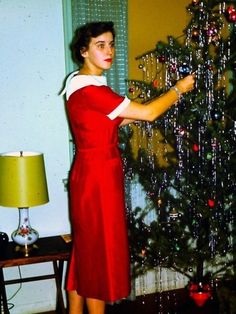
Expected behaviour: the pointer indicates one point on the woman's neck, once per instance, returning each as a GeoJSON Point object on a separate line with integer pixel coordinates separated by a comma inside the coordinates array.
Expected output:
{"type": "Point", "coordinates": [88, 71]}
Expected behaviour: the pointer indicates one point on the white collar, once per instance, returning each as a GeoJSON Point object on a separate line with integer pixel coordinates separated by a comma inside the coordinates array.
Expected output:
{"type": "Point", "coordinates": [75, 82]}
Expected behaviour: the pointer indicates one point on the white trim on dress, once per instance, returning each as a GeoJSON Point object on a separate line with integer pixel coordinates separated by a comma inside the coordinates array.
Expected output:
{"type": "Point", "coordinates": [63, 92]}
{"type": "Point", "coordinates": [75, 82]}
{"type": "Point", "coordinates": [115, 113]}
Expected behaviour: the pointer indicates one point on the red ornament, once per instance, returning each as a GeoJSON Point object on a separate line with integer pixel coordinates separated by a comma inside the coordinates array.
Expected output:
{"type": "Point", "coordinates": [161, 59]}
{"type": "Point", "coordinates": [210, 68]}
{"type": "Point", "coordinates": [231, 14]}
{"type": "Point", "coordinates": [200, 293]}
{"type": "Point", "coordinates": [173, 68]}
{"type": "Point", "coordinates": [211, 203]}
{"type": "Point", "coordinates": [181, 131]}
{"type": "Point", "coordinates": [232, 17]}
{"type": "Point", "coordinates": [231, 9]}
{"type": "Point", "coordinates": [195, 148]}
{"type": "Point", "coordinates": [131, 90]}
{"type": "Point", "coordinates": [155, 83]}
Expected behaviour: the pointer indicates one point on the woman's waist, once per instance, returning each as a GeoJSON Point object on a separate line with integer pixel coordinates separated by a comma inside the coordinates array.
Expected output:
{"type": "Point", "coordinates": [107, 151]}
{"type": "Point", "coordinates": [102, 147]}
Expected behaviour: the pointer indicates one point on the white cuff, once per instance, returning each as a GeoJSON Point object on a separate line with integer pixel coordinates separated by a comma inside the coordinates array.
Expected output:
{"type": "Point", "coordinates": [115, 113]}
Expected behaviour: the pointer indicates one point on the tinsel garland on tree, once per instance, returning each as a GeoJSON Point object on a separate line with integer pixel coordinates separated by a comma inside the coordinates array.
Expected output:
{"type": "Point", "coordinates": [194, 197]}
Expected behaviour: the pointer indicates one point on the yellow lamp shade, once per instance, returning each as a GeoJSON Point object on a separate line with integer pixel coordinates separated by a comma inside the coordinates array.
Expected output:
{"type": "Point", "coordinates": [22, 179]}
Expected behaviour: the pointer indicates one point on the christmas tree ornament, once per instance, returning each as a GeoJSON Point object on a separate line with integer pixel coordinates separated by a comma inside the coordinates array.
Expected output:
{"type": "Point", "coordinates": [195, 33]}
{"type": "Point", "coordinates": [214, 144]}
{"type": "Point", "coordinates": [173, 214]}
{"type": "Point", "coordinates": [155, 83]}
{"type": "Point", "coordinates": [215, 40]}
{"type": "Point", "coordinates": [195, 2]}
{"type": "Point", "coordinates": [131, 89]}
{"type": "Point", "coordinates": [177, 247]}
{"type": "Point", "coordinates": [143, 252]}
{"type": "Point", "coordinates": [209, 156]}
{"type": "Point", "coordinates": [231, 14]}
{"type": "Point", "coordinates": [160, 45]}
{"type": "Point", "coordinates": [212, 30]}
{"type": "Point", "coordinates": [232, 17]}
{"type": "Point", "coordinates": [181, 131]}
{"type": "Point", "coordinates": [173, 68]}
{"type": "Point", "coordinates": [210, 67]}
{"type": "Point", "coordinates": [216, 115]}
{"type": "Point", "coordinates": [200, 292]}
{"type": "Point", "coordinates": [161, 59]}
{"type": "Point", "coordinates": [231, 9]}
{"type": "Point", "coordinates": [184, 69]}
{"type": "Point", "coordinates": [211, 203]}
{"type": "Point", "coordinates": [195, 148]}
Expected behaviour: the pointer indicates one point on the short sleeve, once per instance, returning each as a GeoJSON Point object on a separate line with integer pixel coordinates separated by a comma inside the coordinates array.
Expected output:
{"type": "Point", "coordinates": [105, 100]}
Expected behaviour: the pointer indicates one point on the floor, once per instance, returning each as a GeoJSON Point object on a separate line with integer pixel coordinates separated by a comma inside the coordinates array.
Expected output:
{"type": "Point", "coordinates": [150, 304]}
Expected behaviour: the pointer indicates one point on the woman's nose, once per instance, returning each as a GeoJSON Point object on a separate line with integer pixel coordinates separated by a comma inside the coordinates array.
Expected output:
{"type": "Point", "coordinates": [110, 50]}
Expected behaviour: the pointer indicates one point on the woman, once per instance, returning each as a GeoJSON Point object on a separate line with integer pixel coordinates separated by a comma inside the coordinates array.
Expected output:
{"type": "Point", "coordinates": [99, 266]}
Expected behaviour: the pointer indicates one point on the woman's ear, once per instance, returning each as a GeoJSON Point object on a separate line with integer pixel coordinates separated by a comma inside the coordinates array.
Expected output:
{"type": "Point", "coordinates": [83, 52]}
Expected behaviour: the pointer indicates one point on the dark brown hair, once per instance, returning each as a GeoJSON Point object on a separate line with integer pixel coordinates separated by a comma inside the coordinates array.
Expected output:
{"type": "Point", "coordinates": [83, 35]}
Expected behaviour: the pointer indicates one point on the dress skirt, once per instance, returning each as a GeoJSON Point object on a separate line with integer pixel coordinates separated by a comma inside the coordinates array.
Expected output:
{"type": "Point", "coordinates": [99, 266]}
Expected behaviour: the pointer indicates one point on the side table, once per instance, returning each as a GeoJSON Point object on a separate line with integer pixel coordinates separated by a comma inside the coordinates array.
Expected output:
{"type": "Point", "coordinates": [49, 249]}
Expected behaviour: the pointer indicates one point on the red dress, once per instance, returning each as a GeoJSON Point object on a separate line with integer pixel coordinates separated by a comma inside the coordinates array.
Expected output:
{"type": "Point", "coordinates": [99, 265]}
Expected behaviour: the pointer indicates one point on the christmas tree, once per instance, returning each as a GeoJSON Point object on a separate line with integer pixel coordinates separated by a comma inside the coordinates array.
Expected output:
{"type": "Point", "coordinates": [192, 197]}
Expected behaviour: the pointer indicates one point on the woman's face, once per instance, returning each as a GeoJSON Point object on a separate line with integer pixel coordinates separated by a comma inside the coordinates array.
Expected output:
{"type": "Point", "coordinates": [100, 53]}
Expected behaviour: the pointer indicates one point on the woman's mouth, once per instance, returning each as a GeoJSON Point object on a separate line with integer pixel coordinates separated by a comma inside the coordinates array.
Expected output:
{"type": "Point", "coordinates": [108, 60]}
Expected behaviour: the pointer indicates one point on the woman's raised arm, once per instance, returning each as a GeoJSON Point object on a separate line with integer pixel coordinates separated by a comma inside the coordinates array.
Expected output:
{"type": "Point", "coordinates": [155, 108]}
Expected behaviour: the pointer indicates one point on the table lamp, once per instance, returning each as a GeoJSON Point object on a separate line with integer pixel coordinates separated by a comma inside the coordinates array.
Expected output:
{"type": "Point", "coordinates": [23, 185]}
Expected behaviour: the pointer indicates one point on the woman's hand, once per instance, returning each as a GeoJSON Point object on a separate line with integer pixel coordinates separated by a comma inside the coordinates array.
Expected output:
{"type": "Point", "coordinates": [186, 84]}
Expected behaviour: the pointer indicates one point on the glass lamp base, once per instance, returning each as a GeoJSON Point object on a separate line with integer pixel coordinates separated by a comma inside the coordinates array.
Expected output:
{"type": "Point", "coordinates": [24, 235]}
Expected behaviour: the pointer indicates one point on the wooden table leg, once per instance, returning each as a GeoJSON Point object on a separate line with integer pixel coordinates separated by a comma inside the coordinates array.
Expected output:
{"type": "Point", "coordinates": [3, 295]}
{"type": "Point", "coordinates": [58, 270]}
